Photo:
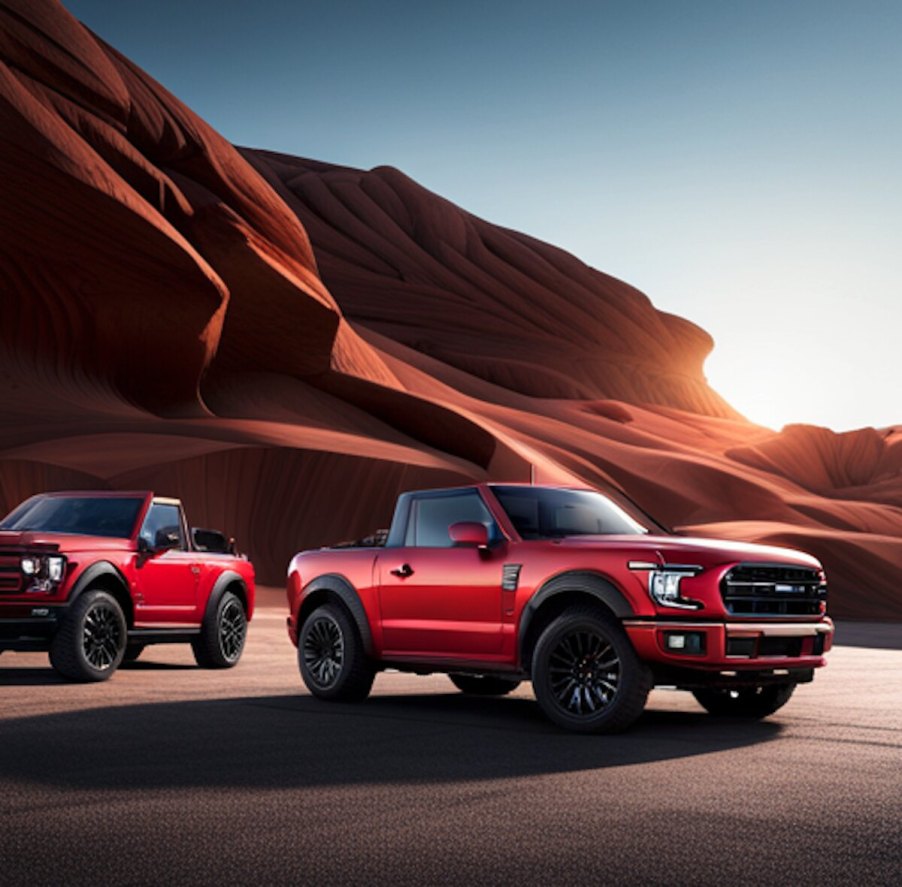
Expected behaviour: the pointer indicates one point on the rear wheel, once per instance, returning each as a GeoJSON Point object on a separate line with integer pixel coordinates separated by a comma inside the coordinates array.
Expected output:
{"type": "Point", "coordinates": [484, 685]}
{"type": "Point", "coordinates": [222, 634]}
{"type": "Point", "coordinates": [586, 674]}
{"type": "Point", "coordinates": [331, 657]}
{"type": "Point", "coordinates": [745, 702]}
{"type": "Point", "coordinates": [90, 642]}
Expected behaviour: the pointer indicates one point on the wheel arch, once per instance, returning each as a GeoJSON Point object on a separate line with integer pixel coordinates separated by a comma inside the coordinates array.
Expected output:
{"type": "Point", "coordinates": [228, 580]}
{"type": "Point", "coordinates": [334, 588]}
{"type": "Point", "coordinates": [104, 576]}
{"type": "Point", "coordinates": [555, 595]}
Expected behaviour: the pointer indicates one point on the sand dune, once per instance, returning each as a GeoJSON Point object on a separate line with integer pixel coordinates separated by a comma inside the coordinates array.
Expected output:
{"type": "Point", "coordinates": [287, 344]}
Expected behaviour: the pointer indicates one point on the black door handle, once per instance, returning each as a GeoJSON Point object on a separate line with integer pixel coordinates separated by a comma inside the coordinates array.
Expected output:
{"type": "Point", "coordinates": [403, 571]}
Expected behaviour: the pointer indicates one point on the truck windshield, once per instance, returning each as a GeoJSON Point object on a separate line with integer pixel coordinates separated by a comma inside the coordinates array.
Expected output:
{"type": "Point", "coordinates": [549, 513]}
{"type": "Point", "coordinates": [84, 516]}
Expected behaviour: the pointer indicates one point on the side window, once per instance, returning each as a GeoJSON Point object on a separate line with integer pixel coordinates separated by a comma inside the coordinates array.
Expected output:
{"type": "Point", "coordinates": [163, 527]}
{"type": "Point", "coordinates": [431, 516]}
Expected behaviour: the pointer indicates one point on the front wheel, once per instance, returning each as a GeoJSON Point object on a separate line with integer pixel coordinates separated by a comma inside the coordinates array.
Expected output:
{"type": "Point", "coordinates": [483, 685]}
{"type": "Point", "coordinates": [90, 642]}
{"type": "Point", "coordinates": [331, 657]}
{"type": "Point", "coordinates": [745, 702]}
{"type": "Point", "coordinates": [586, 674]}
{"type": "Point", "coordinates": [222, 634]}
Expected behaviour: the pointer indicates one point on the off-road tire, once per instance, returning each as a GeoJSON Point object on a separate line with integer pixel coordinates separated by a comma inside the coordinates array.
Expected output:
{"type": "Point", "coordinates": [331, 658]}
{"type": "Point", "coordinates": [484, 685]}
{"type": "Point", "coordinates": [222, 634]}
{"type": "Point", "coordinates": [586, 675]}
{"type": "Point", "coordinates": [90, 642]}
{"type": "Point", "coordinates": [752, 703]}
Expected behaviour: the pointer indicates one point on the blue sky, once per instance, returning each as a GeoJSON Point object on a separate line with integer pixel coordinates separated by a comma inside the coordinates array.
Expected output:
{"type": "Point", "coordinates": [740, 162]}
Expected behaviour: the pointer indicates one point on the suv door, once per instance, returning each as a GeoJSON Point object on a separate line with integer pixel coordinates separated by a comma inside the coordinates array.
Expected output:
{"type": "Point", "coordinates": [166, 577]}
{"type": "Point", "coordinates": [439, 601]}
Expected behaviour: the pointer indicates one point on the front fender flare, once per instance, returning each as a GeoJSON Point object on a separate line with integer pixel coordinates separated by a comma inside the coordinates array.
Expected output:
{"type": "Point", "coordinates": [91, 574]}
{"type": "Point", "coordinates": [582, 581]}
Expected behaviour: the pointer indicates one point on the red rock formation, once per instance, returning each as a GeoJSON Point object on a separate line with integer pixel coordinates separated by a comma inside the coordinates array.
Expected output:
{"type": "Point", "coordinates": [287, 344]}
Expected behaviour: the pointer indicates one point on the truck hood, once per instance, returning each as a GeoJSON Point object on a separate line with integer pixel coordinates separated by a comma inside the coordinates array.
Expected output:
{"type": "Point", "coordinates": [64, 542]}
{"type": "Point", "coordinates": [686, 550]}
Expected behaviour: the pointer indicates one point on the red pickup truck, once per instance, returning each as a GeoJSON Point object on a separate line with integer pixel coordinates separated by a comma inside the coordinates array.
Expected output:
{"type": "Point", "coordinates": [499, 583]}
{"type": "Point", "coordinates": [95, 577]}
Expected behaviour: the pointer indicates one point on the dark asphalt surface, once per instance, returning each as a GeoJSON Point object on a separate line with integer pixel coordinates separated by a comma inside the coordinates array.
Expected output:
{"type": "Point", "coordinates": [170, 774]}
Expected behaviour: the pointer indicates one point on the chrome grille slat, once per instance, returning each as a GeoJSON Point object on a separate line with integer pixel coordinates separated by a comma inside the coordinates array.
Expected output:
{"type": "Point", "coordinates": [772, 590]}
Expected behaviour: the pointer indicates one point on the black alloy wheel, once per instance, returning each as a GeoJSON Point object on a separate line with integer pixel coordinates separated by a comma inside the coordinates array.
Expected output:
{"type": "Point", "coordinates": [586, 675]}
{"type": "Point", "coordinates": [331, 657]}
{"type": "Point", "coordinates": [323, 650]}
{"type": "Point", "coordinates": [102, 634]}
{"type": "Point", "coordinates": [222, 634]}
{"type": "Point", "coordinates": [90, 643]}
{"type": "Point", "coordinates": [585, 672]}
{"type": "Point", "coordinates": [232, 629]}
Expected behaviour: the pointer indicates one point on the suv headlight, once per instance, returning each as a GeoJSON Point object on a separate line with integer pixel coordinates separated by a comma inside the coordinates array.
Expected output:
{"type": "Point", "coordinates": [44, 572]}
{"type": "Point", "coordinates": [664, 586]}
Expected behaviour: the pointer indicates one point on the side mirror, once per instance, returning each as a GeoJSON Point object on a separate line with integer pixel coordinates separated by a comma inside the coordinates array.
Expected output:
{"type": "Point", "coordinates": [166, 539]}
{"type": "Point", "coordinates": [469, 533]}
{"type": "Point", "coordinates": [212, 541]}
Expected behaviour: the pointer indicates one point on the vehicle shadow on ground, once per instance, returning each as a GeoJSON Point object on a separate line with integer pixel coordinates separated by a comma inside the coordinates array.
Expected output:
{"type": "Point", "coordinates": [295, 741]}
{"type": "Point", "coordinates": [47, 677]}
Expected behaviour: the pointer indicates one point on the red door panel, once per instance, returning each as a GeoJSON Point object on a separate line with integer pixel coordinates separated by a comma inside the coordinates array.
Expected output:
{"type": "Point", "coordinates": [441, 602]}
{"type": "Point", "coordinates": [166, 587]}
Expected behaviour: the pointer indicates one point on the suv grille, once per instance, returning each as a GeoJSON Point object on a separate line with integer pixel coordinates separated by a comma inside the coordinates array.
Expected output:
{"type": "Point", "coordinates": [10, 574]}
{"type": "Point", "coordinates": [773, 590]}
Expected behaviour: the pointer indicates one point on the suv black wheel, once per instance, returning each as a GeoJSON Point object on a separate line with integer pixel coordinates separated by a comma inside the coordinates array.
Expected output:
{"type": "Point", "coordinates": [90, 642]}
{"type": "Point", "coordinates": [586, 674]}
{"type": "Point", "coordinates": [222, 634]}
{"type": "Point", "coordinates": [484, 685]}
{"type": "Point", "coordinates": [745, 702]}
{"type": "Point", "coordinates": [331, 657]}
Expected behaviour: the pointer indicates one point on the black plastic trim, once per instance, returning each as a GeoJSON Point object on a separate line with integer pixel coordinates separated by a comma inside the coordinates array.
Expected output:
{"type": "Point", "coordinates": [92, 573]}
{"type": "Point", "coordinates": [346, 592]}
{"type": "Point", "coordinates": [593, 584]}
{"type": "Point", "coordinates": [223, 581]}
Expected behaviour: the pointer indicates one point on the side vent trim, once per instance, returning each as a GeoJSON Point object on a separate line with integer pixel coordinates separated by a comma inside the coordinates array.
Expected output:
{"type": "Point", "coordinates": [510, 577]}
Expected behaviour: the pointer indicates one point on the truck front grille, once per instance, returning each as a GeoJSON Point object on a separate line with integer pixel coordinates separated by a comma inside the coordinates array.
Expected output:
{"type": "Point", "coordinates": [773, 590]}
{"type": "Point", "coordinates": [10, 574]}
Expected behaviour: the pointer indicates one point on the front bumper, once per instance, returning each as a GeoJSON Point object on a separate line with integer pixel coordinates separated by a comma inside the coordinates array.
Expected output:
{"type": "Point", "coordinates": [29, 626]}
{"type": "Point", "coordinates": [731, 649]}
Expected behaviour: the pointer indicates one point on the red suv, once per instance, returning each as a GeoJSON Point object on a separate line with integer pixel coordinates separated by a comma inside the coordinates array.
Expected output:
{"type": "Point", "coordinates": [499, 583]}
{"type": "Point", "coordinates": [96, 577]}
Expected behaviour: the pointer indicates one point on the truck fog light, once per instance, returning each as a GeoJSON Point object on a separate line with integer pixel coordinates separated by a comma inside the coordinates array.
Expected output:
{"type": "Point", "coordinates": [689, 643]}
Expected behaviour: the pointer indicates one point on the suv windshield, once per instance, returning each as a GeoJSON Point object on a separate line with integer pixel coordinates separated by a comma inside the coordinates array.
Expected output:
{"type": "Point", "coordinates": [80, 515]}
{"type": "Point", "coordinates": [549, 513]}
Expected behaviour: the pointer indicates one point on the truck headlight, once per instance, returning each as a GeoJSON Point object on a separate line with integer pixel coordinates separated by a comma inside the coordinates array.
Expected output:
{"type": "Point", "coordinates": [44, 572]}
{"type": "Point", "coordinates": [664, 587]}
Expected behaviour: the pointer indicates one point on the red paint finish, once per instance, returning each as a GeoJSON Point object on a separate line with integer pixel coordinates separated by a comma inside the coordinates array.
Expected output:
{"type": "Point", "coordinates": [441, 606]}
{"type": "Point", "coordinates": [166, 589]}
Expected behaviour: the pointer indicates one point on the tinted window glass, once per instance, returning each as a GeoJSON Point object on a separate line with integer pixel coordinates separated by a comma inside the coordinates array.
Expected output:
{"type": "Point", "coordinates": [548, 513]}
{"type": "Point", "coordinates": [163, 526]}
{"type": "Point", "coordinates": [76, 514]}
{"type": "Point", "coordinates": [431, 516]}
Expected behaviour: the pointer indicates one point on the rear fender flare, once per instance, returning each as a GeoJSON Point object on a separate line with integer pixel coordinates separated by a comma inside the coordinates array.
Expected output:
{"type": "Point", "coordinates": [346, 593]}
{"type": "Point", "coordinates": [223, 582]}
